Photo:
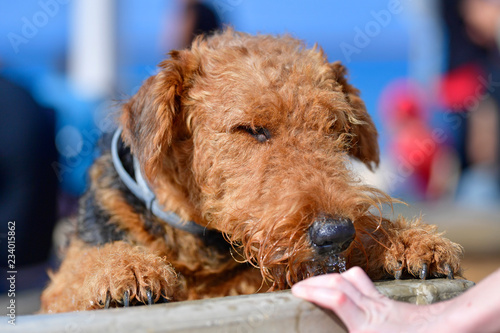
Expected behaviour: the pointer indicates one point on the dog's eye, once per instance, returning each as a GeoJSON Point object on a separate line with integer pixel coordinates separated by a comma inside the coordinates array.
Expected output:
{"type": "Point", "coordinates": [260, 134]}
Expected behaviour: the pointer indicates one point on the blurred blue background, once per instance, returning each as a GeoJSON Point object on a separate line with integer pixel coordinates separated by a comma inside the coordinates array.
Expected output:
{"type": "Point", "coordinates": [427, 70]}
{"type": "Point", "coordinates": [82, 58]}
{"type": "Point", "coordinates": [145, 33]}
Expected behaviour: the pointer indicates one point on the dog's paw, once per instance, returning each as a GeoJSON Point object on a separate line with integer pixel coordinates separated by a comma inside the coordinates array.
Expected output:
{"type": "Point", "coordinates": [125, 275]}
{"type": "Point", "coordinates": [112, 275]}
{"type": "Point", "coordinates": [418, 250]}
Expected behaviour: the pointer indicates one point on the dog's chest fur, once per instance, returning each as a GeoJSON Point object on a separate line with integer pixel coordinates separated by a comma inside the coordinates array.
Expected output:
{"type": "Point", "coordinates": [109, 212]}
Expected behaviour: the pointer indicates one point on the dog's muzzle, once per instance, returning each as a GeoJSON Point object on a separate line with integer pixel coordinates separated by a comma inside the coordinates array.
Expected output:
{"type": "Point", "coordinates": [331, 235]}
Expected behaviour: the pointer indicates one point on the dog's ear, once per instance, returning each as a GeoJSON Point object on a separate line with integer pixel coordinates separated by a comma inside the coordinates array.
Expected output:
{"type": "Point", "coordinates": [148, 118]}
{"type": "Point", "coordinates": [364, 136]}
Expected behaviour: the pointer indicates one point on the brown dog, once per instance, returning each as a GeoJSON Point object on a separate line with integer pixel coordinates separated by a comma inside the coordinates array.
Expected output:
{"type": "Point", "coordinates": [248, 138]}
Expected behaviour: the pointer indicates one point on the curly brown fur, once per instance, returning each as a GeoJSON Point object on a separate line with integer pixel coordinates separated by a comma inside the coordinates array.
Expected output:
{"type": "Point", "coordinates": [249, 137]}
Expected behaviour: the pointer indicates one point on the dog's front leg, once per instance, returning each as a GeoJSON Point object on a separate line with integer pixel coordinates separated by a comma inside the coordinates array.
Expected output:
{"type": "Point", "coordinates": [115, 274]}
{"type": "Point", "coordinates": [410, 248]}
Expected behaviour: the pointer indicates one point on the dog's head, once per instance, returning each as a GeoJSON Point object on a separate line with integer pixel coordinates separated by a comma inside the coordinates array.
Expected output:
{"type": "Point", "coordinates": [251, 136]}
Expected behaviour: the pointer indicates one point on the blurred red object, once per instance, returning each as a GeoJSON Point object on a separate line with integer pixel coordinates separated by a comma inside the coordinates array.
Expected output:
{"type": "Point", "coordinates": [414, 149]}
{"type": "Point", "coordinates": [403, 101]}
{"type": "Point", "coordinates": [462, 87]}
{"type": "Point", "coordinates": [405, 109]}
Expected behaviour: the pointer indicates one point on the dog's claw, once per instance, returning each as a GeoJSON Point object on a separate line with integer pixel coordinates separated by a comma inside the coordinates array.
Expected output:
{"type": "Point", "coordinates": [108, 300]}
{"type": "Point", "coordinates": [149, 294]}
{"type": "Point", "coordinates": [399, 271]}
{"type": "Point", "coordinates": [449, 272]}
{"type": "Point", "coordinates": [126, 299]}
{"type": "Point", "coordinates": [424, 271]}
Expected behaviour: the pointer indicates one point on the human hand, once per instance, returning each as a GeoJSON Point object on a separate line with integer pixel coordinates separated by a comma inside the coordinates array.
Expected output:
{"type": "Point", "coordinates": [353, 297]}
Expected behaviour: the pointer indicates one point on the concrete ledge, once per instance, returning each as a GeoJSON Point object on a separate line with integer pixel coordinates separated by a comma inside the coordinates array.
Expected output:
{"type": "Point", "coordinates": [271, 312]}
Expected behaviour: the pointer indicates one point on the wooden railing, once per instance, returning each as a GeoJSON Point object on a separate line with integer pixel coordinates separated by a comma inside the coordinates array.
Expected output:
{"type": "Point", "coordinates": [271, 312]}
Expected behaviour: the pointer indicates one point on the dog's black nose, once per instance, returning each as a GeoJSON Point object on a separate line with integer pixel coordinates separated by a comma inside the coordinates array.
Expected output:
{"type": "Point", "coordinates": [331, 234]}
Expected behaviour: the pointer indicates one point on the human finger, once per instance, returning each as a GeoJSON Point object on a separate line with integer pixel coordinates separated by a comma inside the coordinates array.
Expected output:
{"type": "Point", "coordinates": [333, 282]}
{"type": "Point", "coordinates": [357, 277]}
{"type": "Point", "coordinates": [338, 301]}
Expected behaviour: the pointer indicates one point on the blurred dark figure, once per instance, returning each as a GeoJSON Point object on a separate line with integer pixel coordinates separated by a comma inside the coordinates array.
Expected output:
{"type": "Point", "coordinates": [461, 49]}
{"type": "Point", "coordinates": [472, 93]}
{"type": "Point", "coordinates": [28, 184]}
{"type": "Point", "coordinates": [199, 18]}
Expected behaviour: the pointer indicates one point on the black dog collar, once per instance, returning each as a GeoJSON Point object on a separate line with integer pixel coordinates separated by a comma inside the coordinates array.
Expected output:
{"type": "Point", "coordinates": [141, 190]}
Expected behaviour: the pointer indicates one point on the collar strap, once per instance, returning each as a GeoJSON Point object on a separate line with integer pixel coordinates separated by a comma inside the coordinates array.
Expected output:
{"type": "Point", "coordinates": [142, 191]}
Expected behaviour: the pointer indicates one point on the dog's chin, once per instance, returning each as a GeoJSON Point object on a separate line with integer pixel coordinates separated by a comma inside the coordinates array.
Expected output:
{"type": "Point", "coordinates": [285, 275]}
{"type": "Point", "coordinates": [284, 266]}
{"type": "Point", "coordinates": [328, 260]}
{"type": "Point", "coordinates": [327, 263]}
